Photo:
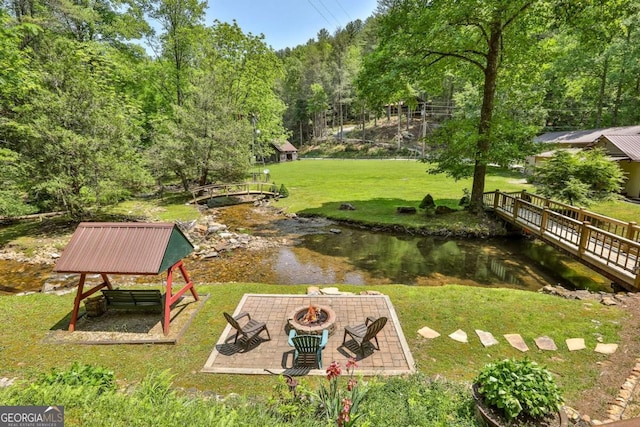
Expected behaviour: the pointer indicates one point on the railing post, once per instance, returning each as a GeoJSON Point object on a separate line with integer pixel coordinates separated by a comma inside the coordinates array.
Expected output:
{"type": "Point", "coordinates": [580, 214]}
{"type": "Point", "coordinates": [631, 229]}
{"type": "Point", "coordinates": [543, 220]}
{"type": "Point", "coordinates": [516, 205]}
{"type": "Point", "coordinates": [496, 200]}
{"type": "Point", "coordinates": [547, 202]}
{"type": "Point", "coordinates": [584, 237]}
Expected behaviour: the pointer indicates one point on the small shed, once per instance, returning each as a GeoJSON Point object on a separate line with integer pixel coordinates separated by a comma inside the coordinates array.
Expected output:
{"type": "Point", "coordinates": [126, 248]}
{"type": "Point", "coordinates": [285, 152]}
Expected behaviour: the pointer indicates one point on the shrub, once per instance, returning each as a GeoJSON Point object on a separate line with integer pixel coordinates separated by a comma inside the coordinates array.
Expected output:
{"type": "Point", "coordinates": [427, 202]}
{"type": "Point", "coordinates": [283, 191]}
{"type": "Point", "coordinates": [519, 387]}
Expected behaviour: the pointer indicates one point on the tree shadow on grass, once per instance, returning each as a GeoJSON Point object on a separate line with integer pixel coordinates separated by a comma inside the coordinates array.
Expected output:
{"type": "Point", "coordinates": [379, 209]}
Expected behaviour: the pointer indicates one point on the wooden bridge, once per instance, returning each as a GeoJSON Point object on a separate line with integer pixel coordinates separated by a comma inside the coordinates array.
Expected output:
{"type": "Point", "coordinates": [211, 191]}
{"type": "Point", "coordinates": [606, 245]}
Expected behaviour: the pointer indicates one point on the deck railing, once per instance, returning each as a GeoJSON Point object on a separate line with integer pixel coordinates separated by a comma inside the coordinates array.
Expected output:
{"type": "Point", "coordinates": [608, 244]}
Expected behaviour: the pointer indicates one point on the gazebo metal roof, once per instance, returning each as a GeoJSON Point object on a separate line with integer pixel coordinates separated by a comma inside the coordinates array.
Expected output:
{"type": "Point", "coordinates": [123, 248]}
{"type": "Point", "coordinates": [126, 248]}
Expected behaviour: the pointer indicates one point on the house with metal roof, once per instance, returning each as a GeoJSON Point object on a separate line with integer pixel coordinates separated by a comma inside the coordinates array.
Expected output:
{"type": "Point", "coordinates": [622, 144]}
{"type": "Point", "coordinates": [106, 248]}
{"type": "Point", "coordinates": [625, 149]}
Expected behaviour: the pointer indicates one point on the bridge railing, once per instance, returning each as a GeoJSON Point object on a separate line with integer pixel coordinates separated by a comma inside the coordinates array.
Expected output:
{"type": "Point", "coordinates": [232, 188]}
{"type": "Point", "coordinates": [629, 230]}
{"type": "Point", "coordinates": [616, 251]}
{"type": "Point", "coordinates": [602, 239]}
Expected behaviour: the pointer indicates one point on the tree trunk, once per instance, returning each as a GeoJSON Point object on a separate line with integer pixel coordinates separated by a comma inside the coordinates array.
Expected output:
{"type": "Point", "coordinates": [616, 105]}
{"type": "Point", "coordinates": [486, 114]}
{"type": "Point", "coordinates": [601, 92]}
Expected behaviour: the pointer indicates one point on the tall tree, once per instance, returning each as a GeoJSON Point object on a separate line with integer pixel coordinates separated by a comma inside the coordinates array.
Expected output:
{"type": "Point", "coordinates": [211, 138]}
{"type": "Point", "coordinates": [418, 34]}
{"type": "Point", "coordinates": [182, 25]}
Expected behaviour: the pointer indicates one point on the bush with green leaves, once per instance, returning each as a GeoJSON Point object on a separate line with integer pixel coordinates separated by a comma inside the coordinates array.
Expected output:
{"type": "Point", "coordinates": [579, 178]}
{"type": "Point", "coordinates": [519, 388]}
{"type": "Point", "coordinates": [427, 202]}
{"type": "Point", "coordinates": [283, 191]}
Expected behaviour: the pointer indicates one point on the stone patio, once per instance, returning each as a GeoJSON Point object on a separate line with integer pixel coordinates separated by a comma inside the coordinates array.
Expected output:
{"type": "Point", "coordinates": [275, 356]}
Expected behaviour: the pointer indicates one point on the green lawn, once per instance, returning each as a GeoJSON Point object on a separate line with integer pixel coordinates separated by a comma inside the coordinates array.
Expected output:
{"type": "Point", "coordinates": [27, 319]}
{"type": "Point", "coordinates": [376, 188]}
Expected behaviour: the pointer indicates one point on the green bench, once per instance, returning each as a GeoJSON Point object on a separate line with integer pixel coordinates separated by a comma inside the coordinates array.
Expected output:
{"type": "Point", "coordinates": [134, 299]}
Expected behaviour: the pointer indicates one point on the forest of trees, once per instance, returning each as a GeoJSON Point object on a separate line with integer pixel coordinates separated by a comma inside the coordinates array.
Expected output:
{"type": "Point", "coordinates": [103, 99]}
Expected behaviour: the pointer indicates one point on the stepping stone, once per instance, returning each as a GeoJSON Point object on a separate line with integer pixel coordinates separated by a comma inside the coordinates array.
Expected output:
{"type": "Point", "coordinates": [428, 333]}
{"type": "Point", "coordinates": [606, 348]}
{"type": "Point", "coordinates": [574, 344]}
{"type": "Point", "coordinates": [516, 341]}
{"type": "Point", "coordinates": [459, 335]}
{"type": "Point", "coordinates": [486, 338]}
{"type": "Point", "coordinates": [545, 343]}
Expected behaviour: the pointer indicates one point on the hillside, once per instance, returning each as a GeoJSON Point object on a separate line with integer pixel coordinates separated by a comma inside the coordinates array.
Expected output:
{"type": "Point", "coordinates": [380, 140]}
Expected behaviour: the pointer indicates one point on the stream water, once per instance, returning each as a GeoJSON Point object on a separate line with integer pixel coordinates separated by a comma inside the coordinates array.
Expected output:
{"type": "Point", "coordinates": [322, 253]}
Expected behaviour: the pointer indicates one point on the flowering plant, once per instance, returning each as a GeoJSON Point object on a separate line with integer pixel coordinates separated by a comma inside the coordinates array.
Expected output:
{"type": "Point", "coordinates": [338, 404]}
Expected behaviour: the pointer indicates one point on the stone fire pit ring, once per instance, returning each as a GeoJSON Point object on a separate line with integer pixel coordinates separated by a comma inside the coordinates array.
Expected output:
{"type": "Point", "coordinates": [316, 328]}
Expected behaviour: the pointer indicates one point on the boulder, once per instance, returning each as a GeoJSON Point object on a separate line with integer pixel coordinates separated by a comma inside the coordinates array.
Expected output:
{"type": "Point", "coordinates": [347, 207]}
{"type": "Point", "coordinates": [406, 210]}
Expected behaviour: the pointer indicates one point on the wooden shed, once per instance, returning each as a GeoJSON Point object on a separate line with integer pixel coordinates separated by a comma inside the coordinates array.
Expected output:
{"type": "Point", "coordinates": [285, 152]}
{"type": "Point", "coordinates": [128, 249]}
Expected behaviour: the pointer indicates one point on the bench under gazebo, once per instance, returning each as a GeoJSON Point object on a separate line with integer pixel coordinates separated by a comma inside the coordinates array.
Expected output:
{"type": "Point", "coordinates": [106, 248]}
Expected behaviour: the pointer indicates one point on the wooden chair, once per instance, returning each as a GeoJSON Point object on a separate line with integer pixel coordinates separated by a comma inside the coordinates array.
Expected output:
{"type": "Point", "coordinates": [365, 332]}
{"type": "Point", "coordinates": [250, 330]}
{"type": "Point", "coordinates": [308, 348]}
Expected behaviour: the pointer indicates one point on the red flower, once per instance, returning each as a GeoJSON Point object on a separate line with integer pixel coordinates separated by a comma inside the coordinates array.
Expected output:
{"type": "Point", "coordinates": [352, 384]}
{"type": "Point", "coordinates": [351, 363]}
{"type": "Point", "coordinates": [333, 371]}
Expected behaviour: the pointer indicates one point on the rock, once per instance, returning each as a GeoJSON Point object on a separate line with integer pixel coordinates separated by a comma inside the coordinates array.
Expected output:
{"type": "Point", "coordinates": [608, 301]}
{"type": "Point", "coordinates": [442, 210]}
{"type": "Point", "coordinates": [406, 210]}
{"type": "Point", "coordinates": [335, 230]}
{"type": "Point", "coordinates": [347, 207]}
{"type": "Point", "coordinates": [313, 290]}
{"type": "Point", "coordinates": [330, 291]}
{"type": "Point", "coordinates": [428, 333]}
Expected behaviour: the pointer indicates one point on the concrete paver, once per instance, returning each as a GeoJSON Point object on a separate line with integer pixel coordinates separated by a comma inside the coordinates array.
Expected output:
{"type": "Point", "coordinates": [393, 358]}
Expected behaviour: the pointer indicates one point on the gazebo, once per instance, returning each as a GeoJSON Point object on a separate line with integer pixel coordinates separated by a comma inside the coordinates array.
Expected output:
{"type": "Point", "coordinates": [129, 249]}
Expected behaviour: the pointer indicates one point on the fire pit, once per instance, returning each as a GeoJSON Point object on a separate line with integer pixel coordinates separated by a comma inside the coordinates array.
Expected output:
{"type": "Point", "coordinates": [312, 319]}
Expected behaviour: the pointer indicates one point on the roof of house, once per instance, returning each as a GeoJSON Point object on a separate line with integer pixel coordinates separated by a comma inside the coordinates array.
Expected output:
{"type": "Point", "coordinates": [123, 248]}
{"type": "Point", "coordinates": [629, 145]}
{"type": "Point", "coordinates": [584, 136]}
{"type": "Point", "coordinates": [284, 147]}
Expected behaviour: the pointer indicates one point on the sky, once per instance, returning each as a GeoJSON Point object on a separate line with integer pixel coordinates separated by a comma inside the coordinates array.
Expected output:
{"type": "Point", "coordinates": [288, 23]}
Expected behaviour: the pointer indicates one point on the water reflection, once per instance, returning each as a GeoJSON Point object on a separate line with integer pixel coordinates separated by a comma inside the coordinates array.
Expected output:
{"type": "Point", "coordinates": [324, 253]}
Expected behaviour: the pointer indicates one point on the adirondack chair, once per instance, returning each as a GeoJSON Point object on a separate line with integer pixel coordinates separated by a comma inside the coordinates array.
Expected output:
{"type": "Point", "coordinates": [247, 332]}
{"type": "Point", "coordinates": [308, 348]}
{"type": "Point", "coordinates": [365, 332]}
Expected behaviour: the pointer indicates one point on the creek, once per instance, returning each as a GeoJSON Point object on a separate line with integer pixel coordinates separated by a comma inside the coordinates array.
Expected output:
{"type": "Point", "coordinates": [319, 252]}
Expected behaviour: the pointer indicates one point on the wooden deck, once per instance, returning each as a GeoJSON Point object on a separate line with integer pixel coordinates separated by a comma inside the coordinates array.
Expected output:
{"type": "Point", "coordinates": [608, 246]}
{"type": "Point", "coordinates": [211, 191]}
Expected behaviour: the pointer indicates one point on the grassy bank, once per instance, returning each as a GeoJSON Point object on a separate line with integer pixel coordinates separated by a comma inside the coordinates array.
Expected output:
{"type": "Point", "coordinates": [27, 320]}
